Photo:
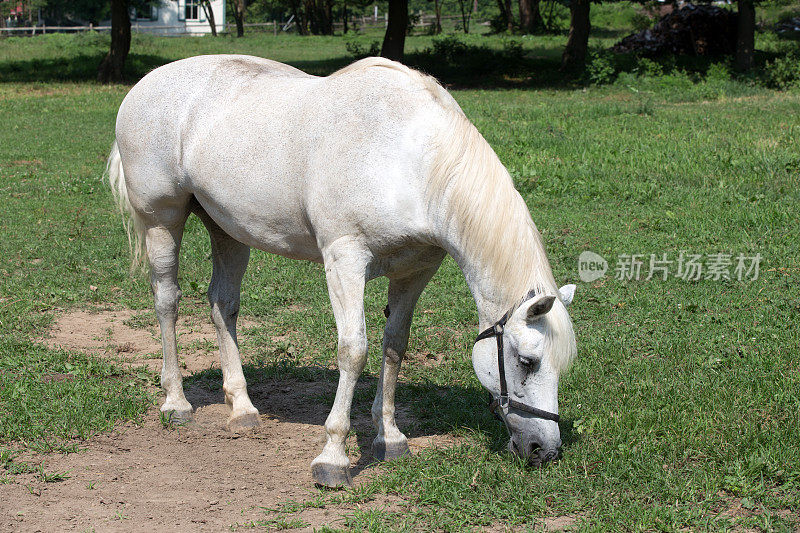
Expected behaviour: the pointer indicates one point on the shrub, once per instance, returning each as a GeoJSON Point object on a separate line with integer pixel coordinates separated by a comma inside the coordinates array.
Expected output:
{"type": "Point", "coordinates": [451, 49]}
{"type": "Point", "coordinates": [513, 51]}
{"type": "Point", "coordinates": [355, 49]}
{"type": "Point", "coordinates": [640, 21]}
{"type": "Point", "coordinates": [718, 72]}
{"type": "Point", "coordinates": [600, 69]}
{"type": "Point", "coordinates": [783, 72]}
{"type": "Point", "coordinates": [468, 60]}
{"type": "Point", "coordinates": [648, 67]}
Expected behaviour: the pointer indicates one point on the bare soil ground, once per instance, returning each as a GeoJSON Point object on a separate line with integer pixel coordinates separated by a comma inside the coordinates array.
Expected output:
{"type": "Point", "coordinates": [197, 477]}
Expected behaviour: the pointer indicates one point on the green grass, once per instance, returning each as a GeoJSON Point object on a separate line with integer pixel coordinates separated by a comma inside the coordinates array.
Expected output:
{"type": "Point", "coordinates": [683, 401]}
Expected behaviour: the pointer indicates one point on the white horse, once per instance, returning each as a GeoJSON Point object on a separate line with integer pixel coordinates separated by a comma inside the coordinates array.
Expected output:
{"type": "Point", "coordinates": [372, 171]}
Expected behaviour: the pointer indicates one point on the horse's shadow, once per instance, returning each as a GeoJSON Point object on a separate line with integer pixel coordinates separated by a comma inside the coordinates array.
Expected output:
{"type": "Point", "coordinates": [297, 393]}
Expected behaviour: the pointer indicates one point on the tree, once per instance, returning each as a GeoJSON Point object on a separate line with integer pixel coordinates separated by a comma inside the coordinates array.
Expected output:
{"type": "Point", "coordinates": [745, 35]}
{"type": "Point", "coordinates": [506, 16]}
{"type": "Point", "coordinates": [574, 56]}
{"type": "Point", "coordinates": [319, 16]}
{"type": "Point", "coordinates": [395, 39]}
{"type": "Point", "coordinates": [466, 14]}
{"type": "Point", "coordinates": [437, 11]}
{"type": "Point", "coordinates": [530, 17]}
{"type": "Point", "coordinates": [209, 11]}
{"type": "Point", "coordinates": [111, 68]}
{"type": "Point", "coordinates": [238, 7]}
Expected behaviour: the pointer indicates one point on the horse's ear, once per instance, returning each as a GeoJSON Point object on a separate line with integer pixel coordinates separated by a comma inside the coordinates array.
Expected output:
{"type": "Point", "coordinates": [538, 306]}
{"type": "Point", "coordinates": [567, 293]}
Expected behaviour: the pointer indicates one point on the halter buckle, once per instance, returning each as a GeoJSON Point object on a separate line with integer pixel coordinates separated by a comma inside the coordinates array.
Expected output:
{"type": "Point", "coordinates": [503, 402]}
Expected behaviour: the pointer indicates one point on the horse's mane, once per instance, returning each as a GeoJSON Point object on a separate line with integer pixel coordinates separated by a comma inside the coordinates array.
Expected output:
{"type": "Point", "coordinates": [484, 209]}
{"type": "Point", "coordinates": [494, 225]}
{"type": "Point", "coordinates": [491, 218]}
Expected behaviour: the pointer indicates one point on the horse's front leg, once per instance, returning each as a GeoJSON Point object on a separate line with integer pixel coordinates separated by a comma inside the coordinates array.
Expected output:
{"type": "Point", "coordinates": [390, 442]}
{"type": "Point", "coordinates": [345, 271]}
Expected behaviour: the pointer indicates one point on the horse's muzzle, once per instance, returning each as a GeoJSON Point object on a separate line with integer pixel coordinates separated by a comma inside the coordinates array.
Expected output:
{"type": "Point", "coordinates": [533, 453]}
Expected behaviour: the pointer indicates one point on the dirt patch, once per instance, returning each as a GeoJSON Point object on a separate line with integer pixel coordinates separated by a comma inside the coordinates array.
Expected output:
{"type": "Point", "coordinates": [560, 523]}
{"type": "Point", "coordinates": [132, 338]}
{"type": "Point", "coordinates": [196, 477]}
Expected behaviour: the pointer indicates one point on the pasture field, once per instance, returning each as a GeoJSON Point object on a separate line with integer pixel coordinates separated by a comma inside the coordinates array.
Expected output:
{"type": "Point", "coordinates": [682, 410]}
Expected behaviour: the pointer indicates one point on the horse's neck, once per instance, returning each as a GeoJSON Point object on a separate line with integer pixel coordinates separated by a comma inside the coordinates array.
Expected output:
{"type": "Point", "coordinates": [484, 223]}
{"type": "Point", "coordinates": [491, 295]}
{"type": "Point", "coordinates": [491, 305]}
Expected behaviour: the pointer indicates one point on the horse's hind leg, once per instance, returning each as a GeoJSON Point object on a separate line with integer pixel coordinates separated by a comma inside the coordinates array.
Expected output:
{"type": "Point", "coordinates": [390, 442]}
{"type": "Point", "coordinates": [163, 246]}
{"type": "Point", "coordinates": [230, 259]}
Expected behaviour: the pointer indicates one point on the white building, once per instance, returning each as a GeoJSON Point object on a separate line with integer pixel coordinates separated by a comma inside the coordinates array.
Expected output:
{"type": "Point", "coordinates": [175, 17]}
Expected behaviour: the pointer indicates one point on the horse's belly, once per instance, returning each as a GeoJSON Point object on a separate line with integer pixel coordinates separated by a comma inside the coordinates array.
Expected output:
{"type": "Point", "coordinates": [270, 224]}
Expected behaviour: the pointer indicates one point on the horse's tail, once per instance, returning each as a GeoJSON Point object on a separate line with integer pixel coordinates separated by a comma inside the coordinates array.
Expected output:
{"type": "Point", "coordinates": [134, 226]}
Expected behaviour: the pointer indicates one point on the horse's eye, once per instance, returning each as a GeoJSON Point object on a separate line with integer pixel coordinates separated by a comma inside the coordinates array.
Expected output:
{"type": "Point", "coordinates": [532, 363]}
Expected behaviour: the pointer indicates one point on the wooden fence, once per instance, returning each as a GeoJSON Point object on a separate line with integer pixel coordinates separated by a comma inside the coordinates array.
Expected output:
{"type": "Point", "coordinates": [425, 21]}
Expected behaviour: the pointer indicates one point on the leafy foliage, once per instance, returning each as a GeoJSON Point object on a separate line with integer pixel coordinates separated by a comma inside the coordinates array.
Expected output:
{"type": "Point", "coordinates": [783, 72]}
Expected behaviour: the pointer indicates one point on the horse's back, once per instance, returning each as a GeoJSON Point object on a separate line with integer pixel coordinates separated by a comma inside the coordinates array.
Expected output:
{"type": "Point", "coordinates": [160, 112]}
{"type": "Point", "coordinates": [282, 160]}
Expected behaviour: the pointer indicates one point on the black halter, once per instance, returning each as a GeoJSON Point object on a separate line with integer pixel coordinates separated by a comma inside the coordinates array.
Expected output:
{"type": "Point", "coordinates": [501, 405]}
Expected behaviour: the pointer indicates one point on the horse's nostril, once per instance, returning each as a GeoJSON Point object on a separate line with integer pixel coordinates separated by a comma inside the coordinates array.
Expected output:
{"type": "Point", "coordinates": [533, 449]}
{"type": "Point", "coordinates": [552, 455]}
{"type": "Point", "coordinates": [515, 447]}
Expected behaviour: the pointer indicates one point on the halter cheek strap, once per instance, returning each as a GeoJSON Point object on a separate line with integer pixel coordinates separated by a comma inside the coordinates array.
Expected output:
{"type": "Point", "coordinates": [500, 406]}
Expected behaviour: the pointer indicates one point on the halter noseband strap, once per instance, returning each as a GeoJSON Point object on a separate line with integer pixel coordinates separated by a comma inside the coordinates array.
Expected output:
{"type": "Point", "coordinates": [501, 405]}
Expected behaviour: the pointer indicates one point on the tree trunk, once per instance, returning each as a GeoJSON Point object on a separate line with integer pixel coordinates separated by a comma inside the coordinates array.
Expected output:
{"type": "Point", "coordinates": [299, 17]}
{"type": "Point", "coordinates": [530, 17]}
{"type": "Point", "coordinates": [509, 16]}
{"type": "Point", "coordinates": [505, 15]}
{"type": "Point", "coordinates": [319, 13]}
{"type": "Point", "coordinates": [548, 24]}
{"type": "Point", "coordinates": [111, 68]}
{"type": "Point", "coordinates": [465, 16]}
{"type": "Point", "coordinates": [209, 11]}
{"type": "Point", "coordinates": [238, 16]}
{"type": "Point", "coordinates": [395, 39]}
{"type": "Point", "coordinates": [344, 16]}
{"type": "Point", "coordinates": [328, 28]}
{"type": "Point", "coordinates": [536, 15]}
{"type": "Point", "coordinates": [437, 9]}
{"type": "Point", "coordinates": [745, 36]}
{"type": "Point", "coordinates": [574, 56]}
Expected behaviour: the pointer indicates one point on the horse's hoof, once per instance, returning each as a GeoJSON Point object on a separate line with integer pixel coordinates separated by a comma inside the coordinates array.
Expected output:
{"type": "Point", "coordinates": [176, 416]}
{"type": "Point", "coordinates": [331, 476]}
{"type": "Point", "coordinates": [386, 451]}
{"type": "Point", "coordinates": [244, 422]}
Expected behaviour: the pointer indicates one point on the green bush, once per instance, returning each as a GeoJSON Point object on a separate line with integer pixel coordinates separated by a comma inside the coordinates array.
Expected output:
{"type": "Point", "coordinates": [783, 72]}
{"type": "Point", "coordinates": [513, 51]}
{"type": "Point", "coordinates": [601, 69]}
{"type": "Point", "coordinates": [718, 72]}
{"type": "Point", "coordinates": [460, 57]}
{"type": "Point", "coordinates": [640, 21]}
{"type": "Point", "coordinates": [355, 49]}
{"type": "Point", "coordinates": [648, 67]}
{"type": "Point", "coordinates": [452, 49]}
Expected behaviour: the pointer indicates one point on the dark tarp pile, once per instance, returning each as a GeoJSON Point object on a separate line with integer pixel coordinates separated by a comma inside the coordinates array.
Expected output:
{"type": "Point", "coordinates": [701, 30]}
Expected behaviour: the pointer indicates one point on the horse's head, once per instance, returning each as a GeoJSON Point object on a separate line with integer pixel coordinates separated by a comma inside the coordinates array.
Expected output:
{"type": "Point", "coordinates": [538, 343]}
